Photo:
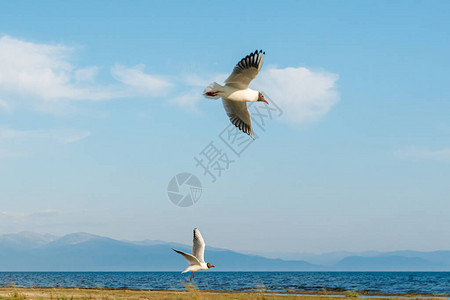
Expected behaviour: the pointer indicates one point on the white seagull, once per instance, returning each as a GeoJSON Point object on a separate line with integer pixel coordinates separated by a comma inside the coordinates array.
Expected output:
{"type": "Point", "coordinates": [196, 260]}
{"type": "Point", "coordinates": [236, 93]}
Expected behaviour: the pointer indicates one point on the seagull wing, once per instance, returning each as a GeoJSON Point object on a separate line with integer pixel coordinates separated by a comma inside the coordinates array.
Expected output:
{"type": "Point", "coordinates": [198, 247]}
{"type": "Point", "coordinates": [239, 115]}
{"type": "Point", "coordinates": [191, 259]}
{"type": "Point", "coordinates": [246, 70]}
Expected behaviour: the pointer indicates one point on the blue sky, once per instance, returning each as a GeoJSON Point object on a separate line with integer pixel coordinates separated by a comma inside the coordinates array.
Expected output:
{"type": "Point", "coordinates": [100, 105]}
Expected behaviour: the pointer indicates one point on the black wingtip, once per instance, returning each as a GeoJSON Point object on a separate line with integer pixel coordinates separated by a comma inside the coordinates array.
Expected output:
{"type": "Point", "coordinates": [177, 251]}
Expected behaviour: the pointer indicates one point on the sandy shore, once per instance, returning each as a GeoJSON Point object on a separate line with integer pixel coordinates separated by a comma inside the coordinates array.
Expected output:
{"type": "Point", "coordinates": [22, 293]}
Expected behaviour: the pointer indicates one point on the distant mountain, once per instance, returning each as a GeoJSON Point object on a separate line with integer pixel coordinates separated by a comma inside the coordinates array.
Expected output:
{"type": "Point", "coordinates": [87, 252]}
{"type": "Point", "coordinates": [28, 251]}
{"type": "Point", "coordinates": [327, 259]}
{"type": "Point", "coordinates": [389, 263]}
{"type": "Point", "coordinates": [439, 257]}
{"type": "Point", "coordinates": [25, 239]}
{"type": "Point", "coordinates": [77, 238]}
{"type": "Point", "coordinates": [406, 260]}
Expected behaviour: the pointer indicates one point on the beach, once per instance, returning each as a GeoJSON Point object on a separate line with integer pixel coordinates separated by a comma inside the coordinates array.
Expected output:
{"type": "Point", "coordinates": [191, 292]}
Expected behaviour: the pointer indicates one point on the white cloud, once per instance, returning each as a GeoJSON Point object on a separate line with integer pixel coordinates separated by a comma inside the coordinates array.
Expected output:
{"type": "Point", "coordinates": [44, 213]}
{"type": "Point", "coordinates": [9, 214]}
{"type": "Point", "coordinates": [188, 100]}
{"type": "Point", "coordinates": [16, 143]}
{"type": "Point", "coordinates": [42, 76]}
{"type": "Point", "coordinates": [75, 136]}
{"type": "Point", "coordinates": [39, 213]}
{"type": "Point", "coordinates": [202, 82]}
{"type": "Point", "coordinates": [302, 94]}
{"type": "Point", "coordinates": [192, 87]}
{"type": "Point", "coordinates": [5, 106]}
{"type": "Point", "coordinates": [60, 135]}
{"type": "Point", "coordinates": [10, 134]}
{"type": "Point", "coordinates": [136, 78]}
{"type": "Point", "coordinates": [416, 153]}
{"type": "Point", "coordinates": [8, 154]}
{"type": "Point", "coordinates": [46, 220]}
{"type": "Point", "coordinates": [86, 74]}
{"type": "Point", "coordinates": [37, 69]}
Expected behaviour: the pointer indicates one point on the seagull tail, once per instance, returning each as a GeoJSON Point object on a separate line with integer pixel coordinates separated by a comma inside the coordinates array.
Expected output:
{"type": "Point", "coordinates": [212, 91]}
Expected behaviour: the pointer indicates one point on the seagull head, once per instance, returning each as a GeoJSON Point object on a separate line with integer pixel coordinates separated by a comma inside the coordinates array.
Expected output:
{"type": "Point", "coordinates": [209, 265]}
{"type": "Point", "coordinates": [261, 98]}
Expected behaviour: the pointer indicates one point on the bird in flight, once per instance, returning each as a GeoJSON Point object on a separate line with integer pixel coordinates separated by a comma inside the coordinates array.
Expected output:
{"type": "Point", "coordinates": [196, 259]}
{"type": "Point", "coordinates": [235, 93]}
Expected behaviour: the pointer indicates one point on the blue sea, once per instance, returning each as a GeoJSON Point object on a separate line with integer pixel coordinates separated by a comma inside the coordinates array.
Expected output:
{"type": "Point", "coordinates": [437, 283]}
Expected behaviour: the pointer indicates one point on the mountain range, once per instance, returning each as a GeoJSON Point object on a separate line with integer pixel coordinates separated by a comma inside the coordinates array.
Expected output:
{"type": "Point", "coordinates": [29, 251]}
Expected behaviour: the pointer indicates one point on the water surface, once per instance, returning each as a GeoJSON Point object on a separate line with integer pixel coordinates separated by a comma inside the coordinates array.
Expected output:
{"type": "Point", "coordinates": [376, 282]}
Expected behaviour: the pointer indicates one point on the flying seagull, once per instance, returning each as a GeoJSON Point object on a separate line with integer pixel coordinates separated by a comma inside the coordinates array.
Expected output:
{"type": "Point", "coordinates": [196, 260]}
{"type": "Point", "coordinates": [236, 93]}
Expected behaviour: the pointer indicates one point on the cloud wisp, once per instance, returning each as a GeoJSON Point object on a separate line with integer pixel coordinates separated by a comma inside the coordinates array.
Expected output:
{"type": "Point", "coordinates": [416, 154]}
{"type": "Point", "coordinates": [18, 143]}
{"type": "Point", "coordinates": [48, 220]}
{"type": "Point", "coordinates": [4, 106]}
{"type": "Point", "coordinates": [65, 136]}
{"type": "Point", "coordinates": [141, 82]}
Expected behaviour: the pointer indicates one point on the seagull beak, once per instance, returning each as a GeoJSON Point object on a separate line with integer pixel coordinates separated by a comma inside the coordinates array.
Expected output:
{"type": "Point", "coordinates": [213, 266]}
{"type": "Point", "coordinates": [265, 101]}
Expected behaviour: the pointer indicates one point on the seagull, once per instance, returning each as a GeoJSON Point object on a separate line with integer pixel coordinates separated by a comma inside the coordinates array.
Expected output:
{"type": "Point", "coordinates": [195, 260]}
{"type": "Point", "coordinates": [236, 93]}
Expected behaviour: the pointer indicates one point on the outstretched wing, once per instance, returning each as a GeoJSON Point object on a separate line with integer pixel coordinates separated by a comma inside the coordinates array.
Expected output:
{"type": "Point", "coordinates": [246, 70]}
{"type": "Point", "coordinates": [239, 115]}
{"type": "Point", "coordinates": [198, 246]}
{"type": "Point", "coordinates": [191, 259]}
